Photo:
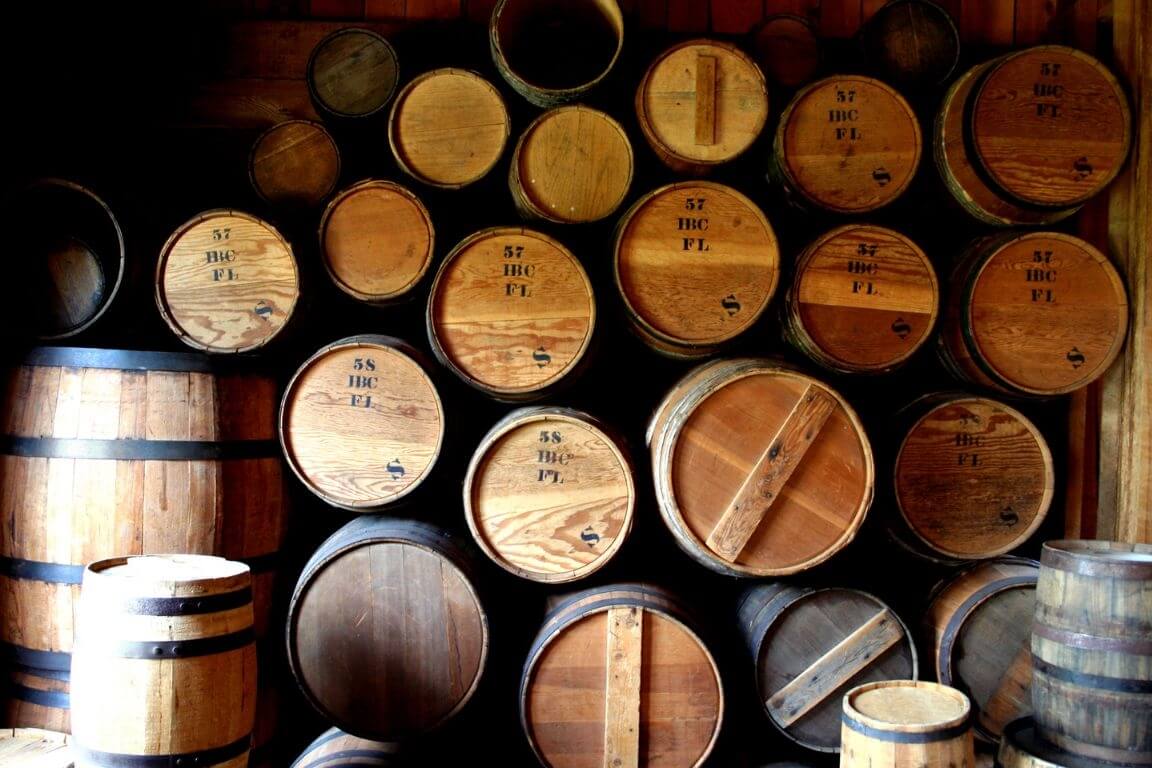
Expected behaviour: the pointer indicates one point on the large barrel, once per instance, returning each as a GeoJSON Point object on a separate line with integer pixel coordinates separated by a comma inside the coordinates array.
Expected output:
{"type": "Point", "coordinates": [352, 74]}
{"type": "Point", "coordinates": [336, 749]}
{"type": "Point", "coordinates": [1022, 747]}
{"type": "Point", "coordinates": [294, 165]}
{"type": "Point", "coordinates": [906, 724]}
{"type": "Point", "coordinates": [913, 44]}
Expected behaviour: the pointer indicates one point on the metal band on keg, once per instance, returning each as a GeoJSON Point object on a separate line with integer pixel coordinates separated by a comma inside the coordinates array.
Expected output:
{"type": "Point", "coordinates": [187, 606]}
{"type": "Point", "coordinates": [961, 615]}
{"type": "Point", "coordinates": [903, 737]}
{"type": "Point", "coordinates": [39, 697]}
{"type": "Point", "coordinates": [49, 664]}
{"type": "Point", "coordinates": [145, 450]}
{"type": "Point", "coordinates": [201, 759]}
{"type": "Point", "coordinates": [1095, 682]}
{"type": "Point", "coordinates": [36, 570]}
{"type": "Point", "coordinates": [181, 649]}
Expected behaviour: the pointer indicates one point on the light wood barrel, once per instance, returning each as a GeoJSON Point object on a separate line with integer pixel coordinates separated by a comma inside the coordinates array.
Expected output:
{"type": "Point", "coordinates": [1022, 747]}
{"type": "Point", "coordinates": [1041, 313]}
{"type": "Point", "coordinates": [361, 422]}
{"type": "Point", "coordinates": [741, 452]}
{"type": "Point", "coordinates": [696, 264]}
{"type": "Point", "coordinates": [555, 51]}
{"type": "Point", "coordinates": [35, 748]}
{"type": "Point", "coordinates": [912, 44]}
{"type": "Point", "coordinates": [906, 724]}
{"type": "Point", "coordinates": [1092, 650]}
{"type": "Point", "coordinates": [165, 663]}
{"type": "Point", "coordinates": [294, 164]}
{"type": "Point", "coordinates": [618, 676]}
{"type": "Point", "coordinates": [701, 103]}
{"type": "Point", "coordinates": [863, 299]}
{"type": "Point", "coordinates": [810, 645]}
{"type": "Point", "coordinates": [352, 73]}
{"type": "Point", "coordinates": [787, 50]}
{"type": "Point", "coordinates": [511, 312]}
{"type": "Point", "coordinates": [376, 241]}
{"type": "Point", "coordinates": [226, 282]}
{"type": "Point", "coordinates": [847, 144]}
{"type": "Point", "coordinates": [979, 624]}
{"type": "Point", "coordinates": [394, 600]}
{"type": "Point", "coordinates": [336, 749]}
{"type": "Point", "coordinates": [572, 165]}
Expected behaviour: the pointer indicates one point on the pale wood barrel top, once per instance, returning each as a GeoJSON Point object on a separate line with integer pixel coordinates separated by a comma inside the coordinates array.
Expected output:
{"type": "Point", "coordinates": [294, 163]}
{"type": "Point", "coordinates": [907, 705]}
{"type": "Point", "coordinates": [35, 748]}
{"type": "Point", "coordinates": [352, 72]}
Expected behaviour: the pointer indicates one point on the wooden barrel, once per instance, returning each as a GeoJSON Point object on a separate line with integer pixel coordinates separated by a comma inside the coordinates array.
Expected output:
{"type": "Point", "coordinates": [746, 510]}
{"type": "Point", "coordinates": [912, 44]}
{"type": "Point", "coordinates": [226, 282]}
{"type": "Point", "coordinates": [787, 50]}
{"type": "Point", "coordinates": [1022, 747]}
{"type": "Point", "coordinates": [376, 241]}
{"type": "Point", "coordinates": [294, 164]}
{"type": "Point", "coordinates": [549, 494]}
{"type": "Point", "coordinates": [572, 165]}
{"type": "Point", "coordinates": [352, 73]}
{"type": "Point", "coordinates": [701, 103]}
{"type": "Point", "coordinates": [618, 676]}
{"type": "Point", "coordinates": [165, 663]}
{"type": "Point", "coordinates": [847, 144]}
{"type": "Point", "coordinates": [511, 312]}
{"type": "Point", "coordinates": [448, 128]}
{"type": "Point", "coordinates": [336, 749]}
{"type": "Point", "coordinates": [1040, 313]}
{"type": "Point", "coordinates": [697, 264]}
{"type": "Point", "coordinates": [35, 748]}
{"type": "Point", "coordinates": [810, 645]}
{"type": "Point", "coordinates": [1092, 650]}
{"type": "Point", "coordinates": [361, 422]}
{"type": "Point", "coordinates": [863, 299]}
{"type": "Point", "coordinates": [553, 53]}
{"type": "Point", "coordinates": [393, 599]}
{"type": "Point", "coordinates": [973, 478]}
{"type": "Point", "coordinates": [979, 625]}
{"type": "Point", "coordinates": [906, 724]}
{"type": "Point", "coordinates": [1051, 126]}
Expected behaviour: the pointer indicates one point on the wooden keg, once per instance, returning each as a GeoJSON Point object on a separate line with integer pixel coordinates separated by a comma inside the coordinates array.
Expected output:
{"type": "Point", "coordinates": [336, 749]}
{"type": "Point", "coordinates": [393, 599]}
{"type": "Point", "coordinates": [352, 73]}
{"type": "Point", "coordinates": [618, 676]}
{"type": "Point", "coordinates": [906, 724]}
{"type": "Point", "coordinates": [973, 478]}
{"type": "Point", "coordinates": [696, 264]}
{"type": "Point", "coordinates": [979, 626]}
{"type": "Point", "coordinates": [1040, 313]}
{"type": "Point", "coordinates": [1022, 747]}
{"type": "Point", "coordinates": [912, 44]}
{"type": "Point", "coordinates": [549, 494]}
{"type": "Point", "coordinates": [35, 748]}
{"type": "Point", "coordinates": [554, 52]}
{"type": "Point", "coordinates": [847, 144]}
{"type": "Point", "coordinates": [810, 645]}
{"type": "Point", "coordinates": [226, 282]}
{"type": "Point", "coordinates": [376, 241]}
{"type": "Point", "coordinates": [787, 50]}
{"type": "Point", "coordinates": [294, 164]}
{"type": "Point", "coordinates": [511, 312]}
{"type": "Point", "coordinates": [863, 299]}
{"type": "Point", "coordinates": [572, 165]}
{"type": "Point", "coordinates": [701, 103]}
{"type": "Point", "coordinates": [448, 128]}
{"type": "Point", "coordinates": [1092, 650]}
{"type": "Point", "coordinates": [1051, 126]}
{"type": "Point", "coordinates": [361, 422]}
{"type": "Point", "coordinates": [741, 455]}
{"type": "Point", "coordinates": [165, 663]}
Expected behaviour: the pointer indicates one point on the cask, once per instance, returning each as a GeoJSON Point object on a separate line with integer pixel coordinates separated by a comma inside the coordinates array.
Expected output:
{"type": "Point", "coordinates": [787, 50]}
{"type": "Point", "coordinates": [906, 724]}
{"type": "Point", "coordinates": [912, 44]}
{"type": "Point", "coordinates": [335, 749]}
{"type": "Point", "coordinates": [1023, 748]}
{"type": "Point", "coordinates": [35, 748]}
{"type": "Point", "coordinates": [352, 73]}
{"type": "Point", "coordinates": [294, 165]}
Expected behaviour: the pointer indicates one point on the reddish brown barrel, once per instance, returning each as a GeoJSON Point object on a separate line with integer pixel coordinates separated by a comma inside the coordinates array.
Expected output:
{"type": "Point", "coordinates": [294, 165]}
{"type": "Point", "coordinates": [352, 74]}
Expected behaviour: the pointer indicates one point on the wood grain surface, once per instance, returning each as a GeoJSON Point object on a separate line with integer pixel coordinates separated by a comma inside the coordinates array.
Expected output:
{"type": "Point", "coordinates": [336, 749]}
{"type": "Point", "coordinates": [905, 724]}
{"type": "Point", "coordinates": [294, 164]}
{"type": "Point", "coordinates": [911, 44]}
{"type": "Point", "coordinates": [35, 748]}
{"type": "Point", "coordinates": [787, 50]}
{"type": "Point", "coordinates": [352, 73]}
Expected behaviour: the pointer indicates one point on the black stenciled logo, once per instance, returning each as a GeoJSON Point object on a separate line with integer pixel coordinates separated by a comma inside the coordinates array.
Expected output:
{"type": "Point", "coordinates": [1076, 357]}
{"type": "Point", "coordinates": [1008, 516]}
{"type": "Point", "coordinates": [901, 328]}
{"type": "Point", "coordinates": [395, 468]}
{"type": "Point", "coordinates": [1083, 167]}
{"type": "Point", "coordinates": [263, 310]}
{"type": "Point", "coordinates": [590, 537]}
{"type": "Point", "coordinates": [541, 357]}
{"type": "Point", "coordinates": [882, 177]}
{"type": "Point", "coordinates": [729, 303]}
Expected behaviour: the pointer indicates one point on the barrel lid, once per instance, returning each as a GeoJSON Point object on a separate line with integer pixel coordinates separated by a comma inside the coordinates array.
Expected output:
{"type": "Point", "coordinates": [787, 49]}
{"type": "Point", "coordinates": [171, 568]}
{"type": "Point", "coordinates": [1109, 559]}
{"type": "Point", "coordinates": [911, 43]}
{"type": "Point", "coordinates": [294, 164]}
{"type": "Point", "coordinates": [907, 705]}
{"type": "Point", "coordinates": [352, 72]}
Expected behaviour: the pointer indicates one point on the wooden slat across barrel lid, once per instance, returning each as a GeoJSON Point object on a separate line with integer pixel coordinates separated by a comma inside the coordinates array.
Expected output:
{"type": "Point", "coordinates": [906, 724]}
{"type": "Point", "coordinates": [787, 49]}
{"type": "Point", "coordinates": [35, 748]}
{"type": "Point", "coordinates": [336, 749]}
{"type": "Point", "coordinates": [294, 164]}
{"type": "Point", "coordinates": [352, 73]}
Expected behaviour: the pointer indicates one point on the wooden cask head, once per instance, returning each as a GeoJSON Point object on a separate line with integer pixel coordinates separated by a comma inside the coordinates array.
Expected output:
{"type": "Point", "coordinates": [35, 748]}
{"type": "Point", "coordinates": [912, 44]}
{"type": "Point", "coordinates": [696, 264]}
{"type": "Point", "coordinates": [906, 723]}
{"type": "Point", "coordinates": [336, 749]}
{"type": "Point", "coordinates": [361, 422]}
{"type": "Point", "coordinates": [376, 241]}
{"type": "Point", "coordinates": [511, 312]}
{"type": "Point", "coordinates": [787, 49]}
{"type": "Point", "coordinates": [448, 128]}
{"type": "Point", "coordinates": [572, 165]}
{"type": "Point", "coordinates": [352, 73]}
{"type": "Point", "coordinates": [1024, 747]}
{"type": "Point", "coordinates": [848, 144]}
{"type": "Point", "coordinates": [1050, 125]}
{"type": "Point", "coordinates": [863, 299]}
{"type": "Point", "coordinates": [701, 103]}
{"type": "Point", "coordinates": [294, 164]}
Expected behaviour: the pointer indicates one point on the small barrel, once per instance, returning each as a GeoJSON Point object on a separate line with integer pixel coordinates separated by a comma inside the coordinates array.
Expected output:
{"type": "Point", "coordinates": [810, 645]}
{"type": "Point", "coordinates": [1022, 747]}
{"type": "Point", "coordinates": [376, 241]}
{"type": "Point", "coordinates": [973, 478]}
{"type": "Point", "coordinates": [294, 165]}
{"type": "Point", "coordinates": [394, 600]}
{"type": "Point", "coordinates": [906, 724]}
{"type": "Point", "coordinates": [979, 627]}
{"type": "Point", "coordinates": [448, 128]}
{"type": "Point", "coordinates": [863, 299]}
{"type": "Point", "coordinates": [787, 49]}
{"type": "Point", "coordinates": [35, 748]}
{"type": "Point", "coordinates": [226, 282]}
{"type": "Point", "coordinates": [847, 144]}
{"type": "Point", "coordinates": [352, 74]}
{"type": "Point", "coordinates": [1092, 650]}
{"type": "Point", "coordinates": [552, 53]}
{"type": "Point", "coordinates": [165, 663]}
{"type": "Point", "coordinates": [336, 749]}
{"type": "Point", "coordinates": [618, 676]}
{"type": "Point", "coordinates": [361, 422]}
{"type": "Point", "coordinates": [572, 165]}
{"type": "Point", "coordinates": [912, 44]}
{"type": "Point", "coordinates": [741, 454]}
{"type": "Point", "coordinates": [549, 494]}
{"type": "Point", "coordinates": [1040, 313]}
{"type": "Point", "coordinates": [696, 264]}
{"type": "Point", "coordinates": [701, 103]}
{"type": "Point", "coordinates": [511, 312]}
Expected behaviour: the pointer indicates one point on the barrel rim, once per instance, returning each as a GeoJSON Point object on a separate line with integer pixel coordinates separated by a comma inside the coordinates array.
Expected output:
{"type": "Point", "coordinates": [1095, 558]}
{"type": "Point", "coordinates": [309, 71]}
{"type": "Point", "coordinates": [960, 722]}
{"type": "Point", "coordinates": [230, 571]}
{"type": "Point", "coordinates": [1021, 736]}
{"type": "Point", "coordinates": [268, 132]}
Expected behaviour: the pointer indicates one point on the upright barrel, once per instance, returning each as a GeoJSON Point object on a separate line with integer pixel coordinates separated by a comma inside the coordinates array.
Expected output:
{"type": "Point", "coordinates": [352, 74]}
{"type": "Point", "coordinates": [906, 724]}
{"type": "Point", "coordinates": [336, 749]}
{"type": "Point", "coordinates": [294, 165]}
